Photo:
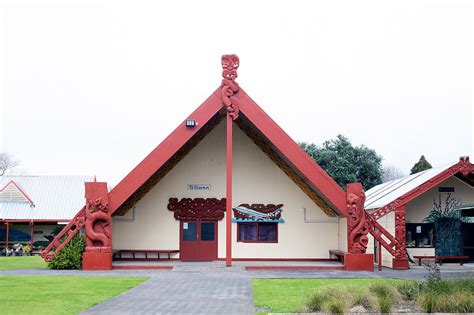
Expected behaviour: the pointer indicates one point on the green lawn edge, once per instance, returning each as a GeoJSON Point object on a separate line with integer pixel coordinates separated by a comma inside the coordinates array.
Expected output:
{"type": "Point", "coordinates": [290, 295]}
{"type": "Point", "coordinates": [60, 294]}
{"type": "Point", "coordinates": [22, 262]}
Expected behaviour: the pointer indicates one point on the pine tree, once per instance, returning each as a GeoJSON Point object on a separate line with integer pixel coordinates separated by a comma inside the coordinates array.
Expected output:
{"type": "Point", "coordinates": [421, 165]}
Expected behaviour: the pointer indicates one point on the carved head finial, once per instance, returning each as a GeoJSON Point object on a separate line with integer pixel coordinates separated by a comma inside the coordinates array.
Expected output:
{"type": "Point", "coordinates": [230, 63]}
{"type": "Point", "coordinates": [465, 167]}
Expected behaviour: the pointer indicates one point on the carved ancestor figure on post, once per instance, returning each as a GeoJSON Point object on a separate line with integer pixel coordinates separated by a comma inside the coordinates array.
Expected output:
{"type": "Point", "coordinates": [357, 224]}
{"type": "Point", "coordinates": [400, 233]}
{"type": "Point", "coordinates": [98, 223]}
{"type": "Point", "coordinates": [230, 63]}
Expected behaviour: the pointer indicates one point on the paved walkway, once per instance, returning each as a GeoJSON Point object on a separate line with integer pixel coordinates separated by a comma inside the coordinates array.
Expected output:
{"type": "Point", "coordinates": [207, 288]}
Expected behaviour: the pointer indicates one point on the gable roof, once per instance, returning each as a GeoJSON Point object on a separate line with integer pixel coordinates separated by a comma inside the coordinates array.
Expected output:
{"type": "Point", "coordinates": [52, 198]}
{"type": "Point", "coordinates": [405, 189]}
{"type": "Point", "coordinates": [11, 192]}
{"type": "Point", "coordinates": [307, 173]}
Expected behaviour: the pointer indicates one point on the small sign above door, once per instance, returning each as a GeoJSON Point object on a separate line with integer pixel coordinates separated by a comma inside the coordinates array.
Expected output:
{"type": "Point", "coordinates": [199, 187]}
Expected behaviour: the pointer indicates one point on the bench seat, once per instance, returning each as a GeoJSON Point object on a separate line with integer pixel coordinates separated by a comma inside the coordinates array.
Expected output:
{"type": "Point", "coordinates": [338, 254]}
{"type": "Point", "coordinates": [440, 259]}
{"type": "Point", "coordinates": [144, 254]}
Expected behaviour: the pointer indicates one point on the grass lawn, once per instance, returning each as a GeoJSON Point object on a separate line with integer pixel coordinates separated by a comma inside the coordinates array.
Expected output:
{"type": "Point", "coordinates": [21, 262]}
{"type": "Point", "coordinates": [58, 295]}
{"type": "Point", "coordinates": [290, 295]}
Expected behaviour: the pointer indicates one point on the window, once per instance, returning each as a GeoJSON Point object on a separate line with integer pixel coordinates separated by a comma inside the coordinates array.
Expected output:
{"type": "Point", "coordinates": [257, 232]}
{"type": "Point", "coordinates": [419, 235]}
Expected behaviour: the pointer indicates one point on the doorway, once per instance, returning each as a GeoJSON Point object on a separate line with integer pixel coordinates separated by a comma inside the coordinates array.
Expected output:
{"type": "Point", "coordinates": [198, 240]}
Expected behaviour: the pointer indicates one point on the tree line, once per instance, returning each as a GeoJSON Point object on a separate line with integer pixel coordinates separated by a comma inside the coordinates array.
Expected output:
{"type": "Point", "coordinates": [347, 163]}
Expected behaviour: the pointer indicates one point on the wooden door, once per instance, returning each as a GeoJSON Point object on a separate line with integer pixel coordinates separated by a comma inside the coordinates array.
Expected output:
{"type": "Point", "coordinates": [198, 240]}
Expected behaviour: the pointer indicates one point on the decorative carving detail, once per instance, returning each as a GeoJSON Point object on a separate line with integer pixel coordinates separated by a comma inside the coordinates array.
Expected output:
{"type": "Point", "coordinates": [357, 225]}
{"type": "Point", "coordinates": [200, 209]}
{"type": "Point", "coordinates": [63, 237]}
{"type": "Point", "coordinates": [258, 212]}
{"type": "Point", "coordinates": [230, 63]}
{"type": "Point", "coordinates": [400, 233]}
{"type": "Point", "coordinates": [465, 167]}
{"type": "Point", "coordinates": [98, 223]}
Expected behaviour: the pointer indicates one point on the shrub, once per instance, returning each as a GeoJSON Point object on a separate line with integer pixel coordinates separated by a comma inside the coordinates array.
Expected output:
{"type": "Point", "coordinates": [386, 295]}
{"type": "Point", "coordinates": [336, 306]}
{"type": "Point", "coordinates": [408, 289]}
{"type": "Point", "coordinates": [315, 302]}
{"type": "Point", "coordinates": [70, 257]}
{"type": "Point", "coordinates": [331, 299]}
{"type": "Point", "coordinates": [365, 300]}
{"type": "Point", "coordinates": [385, 304]}
{"type": "Point", "coordinates": [448, 296]}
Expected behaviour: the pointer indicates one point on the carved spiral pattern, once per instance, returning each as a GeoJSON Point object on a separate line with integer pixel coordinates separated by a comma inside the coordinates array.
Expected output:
{"type": "Point", "coordinates": [230, 63]}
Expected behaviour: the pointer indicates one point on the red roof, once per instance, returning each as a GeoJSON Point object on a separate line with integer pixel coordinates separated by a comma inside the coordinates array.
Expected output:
{"type": "Point", "coordinates": [306, 168]}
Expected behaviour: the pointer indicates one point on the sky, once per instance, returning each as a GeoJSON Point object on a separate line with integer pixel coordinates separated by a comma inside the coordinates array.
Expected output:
{"type": "Point", "coordinates": [91, 87]}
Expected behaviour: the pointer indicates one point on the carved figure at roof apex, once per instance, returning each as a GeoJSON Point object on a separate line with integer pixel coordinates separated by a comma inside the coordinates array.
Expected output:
{"type": "Point", "coordinates": [230, 63]}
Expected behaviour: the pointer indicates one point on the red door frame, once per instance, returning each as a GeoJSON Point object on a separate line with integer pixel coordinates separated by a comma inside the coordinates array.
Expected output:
{"type": "Point", "coordinates": [198, 250]}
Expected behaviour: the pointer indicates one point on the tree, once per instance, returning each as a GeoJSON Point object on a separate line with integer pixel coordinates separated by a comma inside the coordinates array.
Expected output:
{"type": "Point", "coordinates": [447, 225]}
{"type": "Point", "coordinates": [6, 163]}
{"type": "Point", "coordinates": [390, 173]}
{"type": "Point", "coordinates": [421, 165]}
{"type": "Point", "coordinates": [346, 163]}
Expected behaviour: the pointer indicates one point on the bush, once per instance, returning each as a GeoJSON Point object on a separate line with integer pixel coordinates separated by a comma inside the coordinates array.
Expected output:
{"type": "Point", "coordinates": [336, 306]}
{"type": "Point", "coordinates": [365, 300]}
{"type": "Point", "coordinates": [408, 289]}
{"type": "Point", "coordinates": [386, 295]}
{"type": "Point", "coordinates": [448, 296]}
{"type": "Point", "coordinates": [385, 304]}
{"type": "Point", "coordinates": [315, 302]}
{"type": "Point", "coordinates": [70, 257]}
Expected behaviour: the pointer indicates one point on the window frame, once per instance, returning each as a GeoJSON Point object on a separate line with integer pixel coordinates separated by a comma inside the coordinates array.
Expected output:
{"type": "Point", "coordinates": [257, 240]}
{"type": "Point", "coordinates": [408, 226]}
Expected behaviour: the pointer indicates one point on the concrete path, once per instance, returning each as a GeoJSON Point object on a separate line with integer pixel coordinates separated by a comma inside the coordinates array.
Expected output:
{"type": "Point", "coordinates": [207, 288]}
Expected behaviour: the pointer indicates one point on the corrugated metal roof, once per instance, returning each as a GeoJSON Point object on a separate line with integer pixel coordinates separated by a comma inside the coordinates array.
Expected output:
{"type": "Point", "coordinates": [53, 197]}
{"type": "Point", "coordinates": [383, 194]}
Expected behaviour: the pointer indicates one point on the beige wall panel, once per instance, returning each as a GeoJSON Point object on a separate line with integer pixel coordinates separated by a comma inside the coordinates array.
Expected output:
{"type": "Point", "coordinates": [343, 233]}
{"type": "Point", "coordinates": [154, 226]}
{"type": "Point", "coordinates": [256, 179]}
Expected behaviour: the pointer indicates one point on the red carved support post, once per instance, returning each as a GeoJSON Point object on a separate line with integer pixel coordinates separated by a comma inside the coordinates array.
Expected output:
{"type": "Point", "coordinates": [400, 261]}
{"type": "Point", "coordinates": [229, 63]}
{"type": "Point", "coordinates": [98, 225]}
{"type": "Point", "coordinates": [357, 230]}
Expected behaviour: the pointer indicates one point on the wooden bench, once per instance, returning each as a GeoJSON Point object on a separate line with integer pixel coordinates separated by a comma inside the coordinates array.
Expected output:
{"type": "Point", "coordinates": [338, 254]}
{"type": "Point", "coordinates": [461, 259]}
{"type": "Point", "coordinates": [118, 254]}
{"type": "Point", "coordinates": [440, 259]}
{"type": "Point", "coordinates": [423, 257]}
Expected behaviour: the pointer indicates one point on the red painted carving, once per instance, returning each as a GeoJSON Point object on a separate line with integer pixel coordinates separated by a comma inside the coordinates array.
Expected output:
{"type": "Point", "coordinates": [400, 233]}
{"type": "Point", "coordinates": [230, 63]}
{"type": "Point", "coordinates": [357, 225]}
{"type": "Point", "coordinates": [200, 209]}
{"type": "Point", "coordinates": [264, 212]}
{"type": "Point", "coordinates": [98, 224]}
{"type": "Point", "coordinates": [63, 237]}
{"type": "Point", "coordinates": [465, 167]}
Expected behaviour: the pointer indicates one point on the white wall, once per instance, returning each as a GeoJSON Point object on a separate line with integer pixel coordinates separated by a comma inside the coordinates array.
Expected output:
{"type": "Point", "coordinates": [256, 179]}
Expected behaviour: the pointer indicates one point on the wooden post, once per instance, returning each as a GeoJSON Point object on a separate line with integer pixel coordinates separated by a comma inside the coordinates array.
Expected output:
{"type": "Point", "coordinates": [228, 217]}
